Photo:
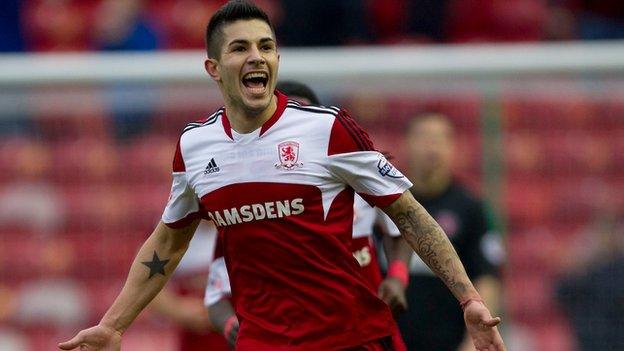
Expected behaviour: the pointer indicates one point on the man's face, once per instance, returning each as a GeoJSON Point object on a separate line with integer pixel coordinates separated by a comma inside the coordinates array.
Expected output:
{"type": "Point", "coordinates": [247, 68]}
{"type": "Point", "coordinates": [430, 145]}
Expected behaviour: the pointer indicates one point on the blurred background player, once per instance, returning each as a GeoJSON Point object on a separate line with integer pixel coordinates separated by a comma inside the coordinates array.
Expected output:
{"type": "Point", "coordinates": [391, 289]}
{"type": "Point", "coordinates": [433, 321]}
{"type": "Point", "coordinates": [182, 299]}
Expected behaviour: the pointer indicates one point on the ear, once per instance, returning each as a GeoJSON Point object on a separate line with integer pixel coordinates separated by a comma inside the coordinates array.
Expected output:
{"type": "Point", "coordinates": [212, 67]}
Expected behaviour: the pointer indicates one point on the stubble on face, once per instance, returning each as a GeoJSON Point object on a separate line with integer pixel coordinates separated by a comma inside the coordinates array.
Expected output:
{"type": "Point", "coordinates": [249, 48]}
{"type": "Point", "coordinates": [430, 143]}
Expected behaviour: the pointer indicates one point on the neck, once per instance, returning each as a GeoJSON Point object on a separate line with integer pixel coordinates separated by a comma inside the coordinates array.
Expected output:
{"type": "Point", "coordinates": [430, 184]}
{"type": "Point", "coordinates": [244, 120]}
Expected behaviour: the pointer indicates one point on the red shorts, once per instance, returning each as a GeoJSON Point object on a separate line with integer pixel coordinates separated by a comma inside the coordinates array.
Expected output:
{"type": "Point", "coordinates": [213, 341]}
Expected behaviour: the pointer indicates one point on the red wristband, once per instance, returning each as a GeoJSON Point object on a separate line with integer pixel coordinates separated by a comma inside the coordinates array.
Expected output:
{"type": "Point", "coordinates": [465, 303]}
{"type": "Point", "coordinates": [229, 324]}
{"type": "Point", "coordinates": [398, 269]}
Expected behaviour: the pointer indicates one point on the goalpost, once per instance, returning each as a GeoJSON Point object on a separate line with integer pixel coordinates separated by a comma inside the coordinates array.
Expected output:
{"type": "Point", "coordinates": [358, 64]}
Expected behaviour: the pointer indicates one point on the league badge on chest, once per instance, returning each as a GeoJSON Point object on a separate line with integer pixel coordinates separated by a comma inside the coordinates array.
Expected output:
{"type": "Point", "coordinates": [288, 152]}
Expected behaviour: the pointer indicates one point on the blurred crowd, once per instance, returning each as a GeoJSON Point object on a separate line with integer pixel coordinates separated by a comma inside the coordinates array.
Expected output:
{"type": "Point", "coordinates": [79, 25]}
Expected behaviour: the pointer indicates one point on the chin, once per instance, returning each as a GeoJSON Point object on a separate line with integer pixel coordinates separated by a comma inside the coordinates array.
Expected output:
{"type": "Point", "coordinates": [257, 106]}
{"type": "Point", "coordinates": [258, 102]}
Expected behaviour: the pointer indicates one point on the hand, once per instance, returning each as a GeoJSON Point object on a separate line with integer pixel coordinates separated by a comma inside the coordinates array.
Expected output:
{"type": "Point", "coordinates": [232, 333]}
{"type": "Point", "coordinates": [98, 338]}
{"type": "Point", "coordinates": [392, 292]}
{"type": "Point", "coordinates": [482, 327]}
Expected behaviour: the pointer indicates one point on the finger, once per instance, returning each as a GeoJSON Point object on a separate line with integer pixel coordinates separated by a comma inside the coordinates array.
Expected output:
{"type": "Point", "coordinates": [233, 336]}
{"type": "Point", "coordinates": [492, 322]}
{"type": "Point", "coordinates": [71, 344]}
{"type": "Point", "coordinates": [388, 299]}
{"type": "Point", "coordinates": [393, 302]}
{"type": "Point", "coordinates": [397, 304]}
{"type": "Point", "coordinates": [381, 293]}
{"type": "Point", "coordinates": [403, 302]}
{"type": "Point", "coordinates": [235, 331]}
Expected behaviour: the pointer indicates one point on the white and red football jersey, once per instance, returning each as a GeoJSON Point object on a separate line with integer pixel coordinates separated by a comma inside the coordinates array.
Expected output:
{"type": "Point", "coordinates": [364, 219]}
{"type": "Point", "coordinates": [282, 200]}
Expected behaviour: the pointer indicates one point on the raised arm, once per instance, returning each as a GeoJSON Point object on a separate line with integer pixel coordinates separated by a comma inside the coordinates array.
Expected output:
{"type": "Point", "coordinates": [152, 267]}
{"type": "Point", "coordinates": [430, 242]}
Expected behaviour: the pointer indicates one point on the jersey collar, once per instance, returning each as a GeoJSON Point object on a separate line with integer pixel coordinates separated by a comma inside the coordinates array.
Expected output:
{"type": "Point", "coordinates": [282, 100]}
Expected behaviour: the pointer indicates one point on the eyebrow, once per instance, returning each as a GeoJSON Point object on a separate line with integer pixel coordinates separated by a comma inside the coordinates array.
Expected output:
{"type": "Point", "coordinates": [245, 42]}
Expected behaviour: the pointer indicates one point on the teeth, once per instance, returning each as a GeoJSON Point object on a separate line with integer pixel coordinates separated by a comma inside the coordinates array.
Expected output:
{"type": "Point", "coordinates": [255, 75]}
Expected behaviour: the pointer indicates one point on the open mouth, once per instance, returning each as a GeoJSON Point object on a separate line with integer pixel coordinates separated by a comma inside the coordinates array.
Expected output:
{"type": "Point", "coordinates": [256, 81]}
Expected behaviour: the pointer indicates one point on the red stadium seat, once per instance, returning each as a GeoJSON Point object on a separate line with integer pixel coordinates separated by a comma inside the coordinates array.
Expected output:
{"type": "Point", "coordinates": [148, 160]}
{"type": "Point", "coordinates": [546, 108]}
{"type": "Point", "coordinates": [524, 154]}
{"type": "Point", "coordinates": [500, 20]}
{"type": "Point", "coordinates": [58, 25]}
{"type": "Point", "coordinates": [530, 251]}
{"type": "Point", "coordinates": [528, 297]}
{"type": "Point", "coordinates": [528, 203]}
{"type": "Point", "coordinates": [554, 335]}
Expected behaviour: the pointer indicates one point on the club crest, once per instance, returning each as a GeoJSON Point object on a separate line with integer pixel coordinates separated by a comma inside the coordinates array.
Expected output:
{"type": "Point", "coordinates": [288, 153]}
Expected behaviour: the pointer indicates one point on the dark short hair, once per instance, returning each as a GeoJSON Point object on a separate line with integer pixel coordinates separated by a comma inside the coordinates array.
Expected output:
{"type": "Point", "coordinates": [293, 88]}
{"type": "Point", "coordinates": [233, 11]}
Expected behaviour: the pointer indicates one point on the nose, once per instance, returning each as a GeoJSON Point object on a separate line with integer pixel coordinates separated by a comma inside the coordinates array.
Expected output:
{"type": "Point", "coordinates": [255, 56]}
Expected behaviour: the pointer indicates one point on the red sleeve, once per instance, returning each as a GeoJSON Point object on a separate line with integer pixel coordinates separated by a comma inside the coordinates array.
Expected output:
{"type": "Point", "coordinates": [380, 201]}
{"type": "Point", "coordinates": [184, 221]}
{"type": "Point", "coordinates": [348, 136]}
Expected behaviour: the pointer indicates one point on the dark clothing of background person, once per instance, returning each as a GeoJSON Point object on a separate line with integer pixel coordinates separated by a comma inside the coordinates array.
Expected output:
{"type": "Point", "coordinates": [434, 320]}
{"type": "Point", "coordinates": [594, 303]}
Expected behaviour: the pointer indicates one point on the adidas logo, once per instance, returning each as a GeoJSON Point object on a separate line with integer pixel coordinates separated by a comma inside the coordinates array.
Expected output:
{"type": "Point", "coordinates": [212, 167]}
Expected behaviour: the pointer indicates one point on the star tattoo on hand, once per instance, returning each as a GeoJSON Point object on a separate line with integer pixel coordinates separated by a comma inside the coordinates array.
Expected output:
{"type": "Point", "coordinates": [156, 266]}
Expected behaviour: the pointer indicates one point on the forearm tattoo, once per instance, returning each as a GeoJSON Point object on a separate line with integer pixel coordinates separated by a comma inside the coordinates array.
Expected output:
{"type": "Point", "coordinates": [156, 265]}
{"type": "Point", "coordinates": [424, 234]}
